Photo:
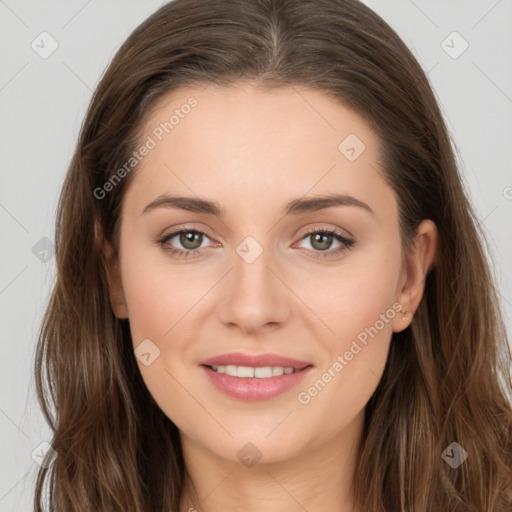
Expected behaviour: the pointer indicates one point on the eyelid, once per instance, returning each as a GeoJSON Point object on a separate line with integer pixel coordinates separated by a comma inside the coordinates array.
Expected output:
{"type": "Point", "coordinates": [176, 230]}
{"type": "Point", "coordinates": [328, 229]}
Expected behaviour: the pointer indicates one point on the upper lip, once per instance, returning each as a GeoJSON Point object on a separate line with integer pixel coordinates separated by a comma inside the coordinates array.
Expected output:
{"type": "Point", "coordinates": [255, 361]}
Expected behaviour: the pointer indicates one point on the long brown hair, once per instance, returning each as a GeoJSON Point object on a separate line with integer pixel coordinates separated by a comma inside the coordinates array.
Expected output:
{"type": "Point", "coordinates": [447, 376]}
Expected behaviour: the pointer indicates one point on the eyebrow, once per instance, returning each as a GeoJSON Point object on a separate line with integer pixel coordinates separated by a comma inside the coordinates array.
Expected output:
{"type": "Point", "coordinates": [294, 207]}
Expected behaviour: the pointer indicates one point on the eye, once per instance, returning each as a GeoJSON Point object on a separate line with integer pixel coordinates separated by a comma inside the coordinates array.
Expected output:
{"type": "Point", "coordinates": [321, 240]}
{"type": "Point", "coordinates": [191, 241]}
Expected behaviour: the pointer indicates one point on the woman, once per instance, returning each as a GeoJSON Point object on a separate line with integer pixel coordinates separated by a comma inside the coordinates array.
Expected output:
{"type": "Point", "coordinates": [272, 293]}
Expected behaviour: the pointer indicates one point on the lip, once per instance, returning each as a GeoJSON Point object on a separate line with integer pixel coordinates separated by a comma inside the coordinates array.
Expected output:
{"type": "Point", "coordinates": [255, 360]}
{"type": "Point", "coordinates": [255, 389]}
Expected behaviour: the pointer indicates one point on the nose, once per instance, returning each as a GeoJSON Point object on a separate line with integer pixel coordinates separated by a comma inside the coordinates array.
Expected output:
{"type": "Point", "coordinates": [254, 297]}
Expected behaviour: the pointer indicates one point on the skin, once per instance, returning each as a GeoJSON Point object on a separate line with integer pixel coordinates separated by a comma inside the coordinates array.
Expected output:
{"type": "Point", "coordinates": [252, 151]}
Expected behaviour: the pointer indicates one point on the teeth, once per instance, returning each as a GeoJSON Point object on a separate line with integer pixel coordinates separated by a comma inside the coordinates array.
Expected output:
{"type": "Point", "coordinates": [276, 370]}
{"type": "Point", "coordinates": [248, 372]}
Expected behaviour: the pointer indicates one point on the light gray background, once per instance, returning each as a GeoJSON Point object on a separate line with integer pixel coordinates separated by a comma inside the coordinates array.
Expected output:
{"type": "Point", "coordinates": [43, 102]}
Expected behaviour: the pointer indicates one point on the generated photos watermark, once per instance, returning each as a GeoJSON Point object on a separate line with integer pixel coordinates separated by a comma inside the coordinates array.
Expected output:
{"type": "Point", "coordinates": [305, 397]}
{"type": "Point", "coordinates": [145, 149]}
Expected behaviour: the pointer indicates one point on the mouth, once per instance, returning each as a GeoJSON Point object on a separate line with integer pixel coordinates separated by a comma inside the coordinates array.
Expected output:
{"type": "Point", "coordinates": [254, 377]}
{"type": "Point", "coordinates": [256, 372]}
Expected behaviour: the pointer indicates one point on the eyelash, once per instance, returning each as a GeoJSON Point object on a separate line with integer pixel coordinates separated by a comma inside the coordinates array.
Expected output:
{"type": "Point", "coordinates": [346, 242]}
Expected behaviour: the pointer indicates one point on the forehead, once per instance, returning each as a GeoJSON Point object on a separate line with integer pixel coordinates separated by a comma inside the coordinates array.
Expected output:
{"type": "Point", "coordinates": [246, 147]}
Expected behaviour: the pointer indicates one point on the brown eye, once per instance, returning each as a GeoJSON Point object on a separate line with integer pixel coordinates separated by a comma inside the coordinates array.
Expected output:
{"type": "Point", "coordinates": [191, 240]}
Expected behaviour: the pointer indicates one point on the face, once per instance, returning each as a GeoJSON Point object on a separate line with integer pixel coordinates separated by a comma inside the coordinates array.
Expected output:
{"type": "Point", "coordinates": [266, 307]}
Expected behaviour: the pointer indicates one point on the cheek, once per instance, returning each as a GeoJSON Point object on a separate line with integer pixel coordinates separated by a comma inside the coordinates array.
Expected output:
{"type": "Point", "coordinates": [159, 295]}
{"type": "Point", "coordinates": [351, 298]}
{"type": "Point", "coordinates": [356, 307]}
{"type": "Point", "coordinates": [163, 301]}
{"type": "Point", "coordinates": [336, 394]}
{"type": "Point", "coordinates": [160, 303]}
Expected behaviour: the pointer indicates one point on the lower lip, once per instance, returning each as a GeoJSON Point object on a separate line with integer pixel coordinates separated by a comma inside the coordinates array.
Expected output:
{"type": "Point", "coordinates": [254, 389]}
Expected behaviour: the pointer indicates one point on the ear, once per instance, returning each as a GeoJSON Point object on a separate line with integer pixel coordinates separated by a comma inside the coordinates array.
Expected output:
{"type": "Point", "coordinates": [421, 255]}
{"type": "Point", "coordinates": [117, 300]}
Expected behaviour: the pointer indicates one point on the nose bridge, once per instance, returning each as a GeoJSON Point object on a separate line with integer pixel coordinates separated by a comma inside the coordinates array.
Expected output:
{"type": "Point", "coordinates": [255, 296]}
{"type": "Point", "coordinates": [252, 277]}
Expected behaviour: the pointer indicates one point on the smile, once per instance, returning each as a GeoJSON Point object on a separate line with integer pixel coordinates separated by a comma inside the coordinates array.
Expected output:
{"type": "Point", "coordinates": [264, 372]}
{"type": "Point", "coordinates": [254, 377]}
